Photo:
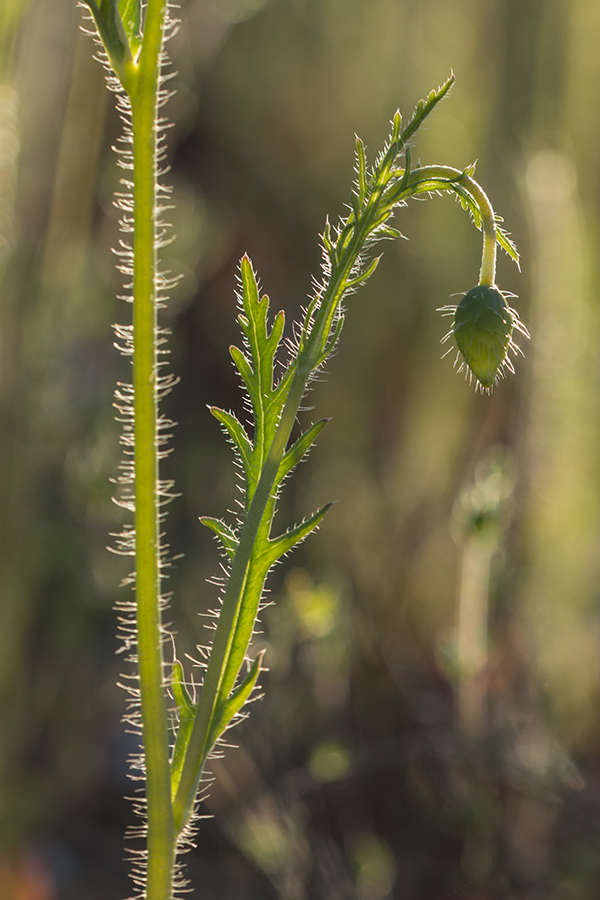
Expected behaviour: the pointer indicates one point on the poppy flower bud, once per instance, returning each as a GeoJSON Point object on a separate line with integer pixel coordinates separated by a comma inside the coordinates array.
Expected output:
{"type": "Point", "coordinates": [483, 327]}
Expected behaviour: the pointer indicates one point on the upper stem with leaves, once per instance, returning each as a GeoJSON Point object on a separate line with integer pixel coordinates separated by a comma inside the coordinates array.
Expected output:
{"type": "Point", "coordinates": [266, 459]}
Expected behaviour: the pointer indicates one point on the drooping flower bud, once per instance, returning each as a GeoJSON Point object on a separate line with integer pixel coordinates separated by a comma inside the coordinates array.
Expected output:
{"type": "Point", "coordinates": [483, 327]}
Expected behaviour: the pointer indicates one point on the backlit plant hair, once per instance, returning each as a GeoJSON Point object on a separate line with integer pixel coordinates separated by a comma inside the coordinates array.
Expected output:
{"type": "Point", "coordinates": [180, 721]}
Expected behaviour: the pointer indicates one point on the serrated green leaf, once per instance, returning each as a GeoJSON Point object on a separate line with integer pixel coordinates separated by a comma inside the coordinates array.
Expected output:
{"type": "Point", "coordinates": [242, 365]}
{"type": "Point", "coordinates": [225, 534]}
{"type": "Point", "coordinates": [233, 704]}
{"type": "Point", "coordinates": [278, 547]}
{"type": "Point", "coordinates": [507, 245]}
{"type": "Point", "coordinates": [257, 372]}
{"type": "Point", "coordinates": [298, 449]}
{"type": "Point", "coordinates": [424, 108]}
{"type": "Point", "coordinates": [237, 433]}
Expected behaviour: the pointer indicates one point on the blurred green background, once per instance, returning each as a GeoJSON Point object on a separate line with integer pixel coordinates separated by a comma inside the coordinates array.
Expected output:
{"type": "Point", "coordinates": [430, 727]}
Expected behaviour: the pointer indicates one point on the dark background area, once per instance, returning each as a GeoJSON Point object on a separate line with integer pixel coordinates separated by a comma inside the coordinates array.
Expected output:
{"type": "Point", "coordinates": [430, 725]}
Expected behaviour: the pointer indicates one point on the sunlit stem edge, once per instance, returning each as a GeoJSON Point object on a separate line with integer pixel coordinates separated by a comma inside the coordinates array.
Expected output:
{"type": "Point", "coordinates": [143, 85]}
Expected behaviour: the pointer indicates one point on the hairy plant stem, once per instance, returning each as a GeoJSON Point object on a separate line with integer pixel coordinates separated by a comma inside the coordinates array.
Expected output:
{"type": "Point", "coordinates": [213, 687]}
{"type": "Point", "coordinates": [142, 87]}
{"type": "Point", "coordinates": [235, 624]}
{"type": "Point", "coordinates": [487, 274]}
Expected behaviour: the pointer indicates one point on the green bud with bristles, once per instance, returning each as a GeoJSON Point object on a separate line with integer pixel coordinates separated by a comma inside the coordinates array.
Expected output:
{"type": "Point", "coordinates": [483, 327]}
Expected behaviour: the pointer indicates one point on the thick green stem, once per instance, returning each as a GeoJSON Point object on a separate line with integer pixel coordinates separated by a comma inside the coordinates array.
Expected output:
{"type": "Point", "coordinates": [155, 726]}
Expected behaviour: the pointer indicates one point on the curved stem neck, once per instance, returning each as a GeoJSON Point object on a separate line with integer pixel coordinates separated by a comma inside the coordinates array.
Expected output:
{"type": "Point", "coordinates": [487, 274]}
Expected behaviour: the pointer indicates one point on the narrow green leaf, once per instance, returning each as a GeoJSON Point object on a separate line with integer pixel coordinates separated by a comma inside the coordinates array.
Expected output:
{"type": "Point", "coordinates": [242, 365]}
{"type": "Point", "coordinates": [225, 534]}
{"type": "Point", "coordinates": [366, 274]}
{"type": "Point", "coordinates": [355, 214]}
{"type": "Point", "coordinates": [345, 235]}
{"type": "Point", "coordinates": [272, 341]}
{"type": "Point", "coordinates": [386, 164]}
{"type": "Point", "coordinates": [112, 34]}
{"type": "Point", "coordinates": [236, 431]}
{"type": "Point", "coordinates": [182, 739]}
{"type": "Point", "coordinates": [186, 711]}
{"type": "Point", "coordinates": [233, 704]}
{"type": "Point", "coordinates": [298, 449]}
{"type": "Point", "coordinates": [328, 244]}
{"type": "Point", "coordinates": [388, 231]}
{"type": "Point", "coordinates": [278, 547]}
{"type": "Point", "coordinates": [246, 621]}
{"type": "Point", "coordinates": [361, 165]}
{"type": "Point", "coordinates": [331, 342]}
{"type": "Point", "coordinates": [507, 244]}
{"type": "Point", "coordinates": [185, 704]}
{"type": "Point", "coordinates": [424, 108]}
{"type": "Point", "coordinates": [407, 168]}
{"type": "Point", "coordinates": [311, 309]}
{"type": "Point", "coordinates": [131, 17]}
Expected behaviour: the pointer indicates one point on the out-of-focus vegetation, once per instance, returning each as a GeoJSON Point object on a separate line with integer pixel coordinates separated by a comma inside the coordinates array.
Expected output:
{"type": "Point", "coordinates": [430, 722]}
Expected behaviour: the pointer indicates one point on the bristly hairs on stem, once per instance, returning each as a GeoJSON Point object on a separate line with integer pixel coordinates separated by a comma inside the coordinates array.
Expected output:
{"type": "Point", "coordinates": [131, 37]}
{"type": "Point", "coordinates": [265, 450]}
